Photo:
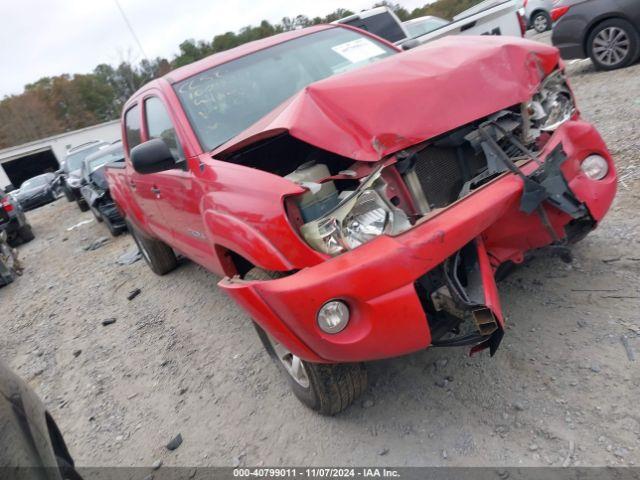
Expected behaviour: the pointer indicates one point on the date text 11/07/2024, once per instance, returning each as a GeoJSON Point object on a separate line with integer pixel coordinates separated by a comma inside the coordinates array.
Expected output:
{"type": "Point", "coordinates": [316, 472]}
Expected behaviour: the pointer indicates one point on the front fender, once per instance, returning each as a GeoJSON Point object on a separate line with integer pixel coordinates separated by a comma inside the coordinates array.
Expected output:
{"type": "Point", "coordinates": [236, 235]}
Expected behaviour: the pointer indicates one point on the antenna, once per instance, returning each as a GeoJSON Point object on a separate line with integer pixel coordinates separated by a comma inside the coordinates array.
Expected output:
{"type": "Point", "coordinates": [133, 33]}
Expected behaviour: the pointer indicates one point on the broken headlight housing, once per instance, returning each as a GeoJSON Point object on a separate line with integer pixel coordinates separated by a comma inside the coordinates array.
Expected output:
{"type": "Point", "coordinates": [553, 104]}
{"type": "Point", "coordinates": [364, 215]}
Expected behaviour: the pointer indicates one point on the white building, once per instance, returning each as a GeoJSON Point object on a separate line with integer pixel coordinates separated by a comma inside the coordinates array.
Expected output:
{"type": "Point", "coordinates": [30, 159]}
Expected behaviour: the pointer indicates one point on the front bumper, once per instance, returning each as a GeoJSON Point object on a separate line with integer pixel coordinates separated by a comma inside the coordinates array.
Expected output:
{"type": "Point", "coordinates": [377, 279]}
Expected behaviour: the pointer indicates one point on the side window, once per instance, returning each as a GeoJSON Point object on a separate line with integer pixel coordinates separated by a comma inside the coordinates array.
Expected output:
{"type": "Point", "coordinates": [159, 126]}
{"type": "Point", "coordinates": [132, 127]}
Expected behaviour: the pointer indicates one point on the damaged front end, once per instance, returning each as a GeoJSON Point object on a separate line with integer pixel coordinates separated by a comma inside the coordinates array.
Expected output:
{"type": "Point", "coordinates": [411, 242]}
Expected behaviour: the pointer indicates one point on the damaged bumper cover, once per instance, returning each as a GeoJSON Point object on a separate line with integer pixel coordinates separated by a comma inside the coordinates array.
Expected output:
{"type": "Point", "coordinates": [504, 219]}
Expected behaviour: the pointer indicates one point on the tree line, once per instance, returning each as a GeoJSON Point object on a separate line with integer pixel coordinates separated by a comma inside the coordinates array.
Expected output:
{"type": "Point", "coordinates": [68, 102]}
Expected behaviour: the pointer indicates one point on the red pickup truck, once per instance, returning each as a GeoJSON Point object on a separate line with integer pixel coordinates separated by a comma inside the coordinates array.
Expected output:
{"type": "Point", "coordinates": [359, 201]}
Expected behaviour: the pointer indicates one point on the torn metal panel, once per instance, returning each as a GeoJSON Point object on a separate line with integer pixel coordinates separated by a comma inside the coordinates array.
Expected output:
{"type": "Point", "coordinates": [407, 98]}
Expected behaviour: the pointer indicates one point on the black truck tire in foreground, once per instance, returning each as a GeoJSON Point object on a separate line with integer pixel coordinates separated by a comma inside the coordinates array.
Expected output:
{"type": "Point", "coordinates": [327, 389]}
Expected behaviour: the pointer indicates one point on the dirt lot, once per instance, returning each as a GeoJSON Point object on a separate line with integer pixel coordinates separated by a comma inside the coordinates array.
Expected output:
{"type": "Point", "coordinates": [182, 358]}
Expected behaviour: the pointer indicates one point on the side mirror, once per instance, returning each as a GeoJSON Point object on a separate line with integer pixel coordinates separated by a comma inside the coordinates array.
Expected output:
{"type": "Point", "coordinates": [152, 156]}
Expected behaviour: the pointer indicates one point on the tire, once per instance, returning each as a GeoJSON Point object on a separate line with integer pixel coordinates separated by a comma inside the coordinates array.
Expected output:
{"type": "Point", "coordinates": [158, 255]}
{"type": "Point", "coordinates": [67, 471]}
{"type": "Point", "coordinates": [67, 193]}
{"type": "Point", "coordinates": [26, 233]}
{"type": "Point", "coordinates": [541, 22]}
{"type": "Point", "coordinates": [326, 388]}
{"type": "Point", "coordinates": [82, 205]}
{"type": "Point", "coordinates": [623, 50]}
{"type": "Point", "coordinates": [97, 214]}
{"type": "Point", "coordinates": [113, 230]}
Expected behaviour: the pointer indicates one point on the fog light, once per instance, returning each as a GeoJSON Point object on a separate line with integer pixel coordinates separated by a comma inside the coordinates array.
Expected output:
{"type": "Point", "coordinates": [595, 167]}
{"type": "Point", "coordinates": [333, 316]}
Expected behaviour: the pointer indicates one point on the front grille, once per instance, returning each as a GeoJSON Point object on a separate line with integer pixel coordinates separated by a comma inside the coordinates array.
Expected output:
{"type": "Point", "coordinates": [439, 174]}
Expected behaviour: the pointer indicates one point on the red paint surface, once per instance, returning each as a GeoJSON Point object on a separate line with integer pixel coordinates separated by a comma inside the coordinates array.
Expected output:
{"type": "Point", "coordinates": [216, 206]}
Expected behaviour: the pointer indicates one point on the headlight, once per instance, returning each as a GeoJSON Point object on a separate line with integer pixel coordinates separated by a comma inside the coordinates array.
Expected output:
{"type": "Point", "coordinates": [553, 104]}
{"type": "Point", "coordinates": [595, 167]}
{"type": "Point", "coordinates": [361, 217]}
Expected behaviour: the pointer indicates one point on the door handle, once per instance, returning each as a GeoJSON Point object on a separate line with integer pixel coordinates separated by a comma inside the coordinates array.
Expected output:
{"type": "Point", "coordinates": [156, 191]}
{"type": "Point", "coordinates": [132, 184]}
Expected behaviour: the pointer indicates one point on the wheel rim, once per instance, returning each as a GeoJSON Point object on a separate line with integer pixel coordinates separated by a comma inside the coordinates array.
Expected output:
{"type": "Point", "coordinates": [611, 46]}
{"type": "Point", "coordinates": [292, 363]}
{"type": "Point", "coordinates": [540, 23]}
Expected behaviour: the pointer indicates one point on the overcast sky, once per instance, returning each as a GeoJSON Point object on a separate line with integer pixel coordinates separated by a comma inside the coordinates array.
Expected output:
{"type": "Point", "coordinates": [48, 37]}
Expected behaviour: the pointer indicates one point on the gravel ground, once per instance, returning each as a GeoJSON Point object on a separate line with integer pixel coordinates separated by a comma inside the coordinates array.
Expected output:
{"type": "Point", "coordinates": [182, 358]}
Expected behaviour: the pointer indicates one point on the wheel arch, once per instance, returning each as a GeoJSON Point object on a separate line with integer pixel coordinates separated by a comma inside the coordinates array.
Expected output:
{"type": "Point", "coordinates": [238, 245]}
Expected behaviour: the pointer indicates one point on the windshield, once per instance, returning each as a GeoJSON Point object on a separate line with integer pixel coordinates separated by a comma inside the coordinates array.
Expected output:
{"type": "Point", "coordinates": [420, 27]}
{"type": "Point", "coordinates": [112, 156]}
{"type": "Point", "coordinates": [223, 101]}
{"type": "Point", "coordinates": [35, 182]}
{"type": "Point", "coordinates": [74, 160]}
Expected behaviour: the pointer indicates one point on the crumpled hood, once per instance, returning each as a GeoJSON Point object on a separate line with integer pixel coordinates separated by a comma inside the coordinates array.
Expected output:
{"type": "Point", "coordinates": [407, 98]}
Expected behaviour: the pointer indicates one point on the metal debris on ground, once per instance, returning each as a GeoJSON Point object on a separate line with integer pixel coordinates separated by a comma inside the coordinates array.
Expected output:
{"type": "Point", "coordinates": [96, 244]}
{"type": "Point", "coordinates": [77, 225]}
{"type": "Point", "coordinates": [175, 442]}
{"type": "Point", "coordinates": [133, 294]}
{"type": "Point", "coordinates": [127, 258]}
{"type": "Point", "coordinates": [108, 321]}
{"type": "Point", "coordinates": [630, 353]}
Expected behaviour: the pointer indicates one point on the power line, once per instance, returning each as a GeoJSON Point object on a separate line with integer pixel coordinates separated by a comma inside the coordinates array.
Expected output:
{"type": "Point", "coordinates": [133, 33]}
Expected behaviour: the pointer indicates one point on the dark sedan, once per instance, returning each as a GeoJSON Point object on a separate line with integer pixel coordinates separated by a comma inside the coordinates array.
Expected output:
{"type": "Point", "coordinates": [31, 445]}
{"type": "Point", "coordinates": [95, 189]}
{"type": "Point", "coordinates": [608, 31]}
{"type": "Point", "coordinates": [37, 191]}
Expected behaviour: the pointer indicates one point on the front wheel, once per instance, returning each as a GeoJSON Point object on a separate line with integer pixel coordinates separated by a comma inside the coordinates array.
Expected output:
{"type": "Point", "coordinates": [613, 44]}
{"type": "Point", "coordinates": [325, 388]}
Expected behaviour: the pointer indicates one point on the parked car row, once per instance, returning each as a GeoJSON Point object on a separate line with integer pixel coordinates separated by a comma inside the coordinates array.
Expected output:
{"type": "Point", "coordinates": [71, 170]}
{"type": "Point", "coordinates": [95, 189]}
